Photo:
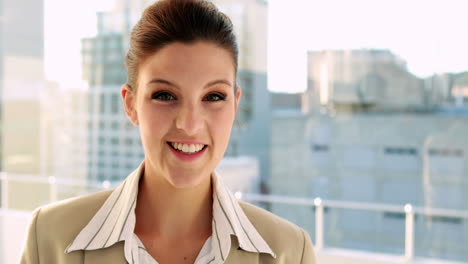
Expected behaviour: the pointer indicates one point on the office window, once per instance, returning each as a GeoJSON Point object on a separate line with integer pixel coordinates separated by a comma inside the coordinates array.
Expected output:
{"type": "Point", "coordinates": [102, 103]}
{"type": "Point", "coordinates": [116, 102]}
{"type": "Point", "coordinates": [401, 159]}
{"type": "Point", "coordinates": [115, 141]}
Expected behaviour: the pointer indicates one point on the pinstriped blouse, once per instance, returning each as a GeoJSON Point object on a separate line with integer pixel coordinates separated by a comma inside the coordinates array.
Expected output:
{"type": "Point", "coordinates": [115, 222]}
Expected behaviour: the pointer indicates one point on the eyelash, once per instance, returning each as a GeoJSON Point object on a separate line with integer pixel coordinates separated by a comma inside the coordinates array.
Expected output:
{"type": "Point", "coordinates": [158, 96]}
{"type": "Point", "coordinates": [169, 97]}
{"type": "Point", "coordinates": [221, 97]}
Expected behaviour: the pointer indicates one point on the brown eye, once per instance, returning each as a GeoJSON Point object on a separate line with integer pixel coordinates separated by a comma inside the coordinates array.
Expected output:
{"type": "Point", "coordinates": [213, 97]}
{"type": "Point", "coordinates": [163, 96]}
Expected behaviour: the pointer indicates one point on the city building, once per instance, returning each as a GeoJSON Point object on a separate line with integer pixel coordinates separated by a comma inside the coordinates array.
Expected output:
{"type": "Point", "coordinates": [25, 138]}
{"type": "Point", "coordinates": [114, 148]}
{"type": "Point", "coordinates": [369, 131]}
{"type": "Point", "coordinates": [251, 134]}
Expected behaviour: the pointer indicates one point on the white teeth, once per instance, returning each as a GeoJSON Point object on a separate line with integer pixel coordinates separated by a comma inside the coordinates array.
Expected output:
{"type": "Point", "coordinates": [187, 148]}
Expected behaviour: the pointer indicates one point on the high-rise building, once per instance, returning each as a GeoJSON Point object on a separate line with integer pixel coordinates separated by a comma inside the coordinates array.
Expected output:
{"type": "Point", "coordinates": [362, 79]}
{"type": "Point", "coordinates": [370, 131]}
{"type": "Point", "coordinates": [25, 138]}
{"type": "Point", "coordinates": [114, 145]}
{"type": "Point", "coordinates": [251, 134]}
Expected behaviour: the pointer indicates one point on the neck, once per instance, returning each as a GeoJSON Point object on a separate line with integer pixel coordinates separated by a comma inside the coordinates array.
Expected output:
{"type": "Point", "coordinates": [167, 212]}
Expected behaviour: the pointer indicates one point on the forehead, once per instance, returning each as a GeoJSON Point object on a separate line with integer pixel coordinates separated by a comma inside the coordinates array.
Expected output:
{"type": "Point", "coordinates": [197, 62]}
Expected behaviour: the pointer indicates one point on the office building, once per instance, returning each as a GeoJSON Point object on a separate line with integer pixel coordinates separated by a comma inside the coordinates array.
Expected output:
{"type": "Point", "coordinates": [370, 131]}
{"type": "Point", "coordinates": [25, 139]}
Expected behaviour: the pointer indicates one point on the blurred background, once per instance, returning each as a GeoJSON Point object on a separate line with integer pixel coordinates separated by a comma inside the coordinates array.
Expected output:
{"type": "Point", "coordinates": [353, 122]}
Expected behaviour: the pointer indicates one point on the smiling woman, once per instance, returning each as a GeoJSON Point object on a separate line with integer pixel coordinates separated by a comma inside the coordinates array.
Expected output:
{"type": "Point", "coordinates": [174, 208]}
{"type": "Point", "coordinates": [191, 103]}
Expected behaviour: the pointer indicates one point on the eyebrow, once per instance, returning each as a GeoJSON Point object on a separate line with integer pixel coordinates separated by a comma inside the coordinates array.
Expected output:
{"type": "Point", "coordinates": [162, 81]}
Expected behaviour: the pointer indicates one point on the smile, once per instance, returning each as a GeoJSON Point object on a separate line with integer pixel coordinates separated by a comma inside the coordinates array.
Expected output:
{"type": "Point", "coordinates": [187, 148]}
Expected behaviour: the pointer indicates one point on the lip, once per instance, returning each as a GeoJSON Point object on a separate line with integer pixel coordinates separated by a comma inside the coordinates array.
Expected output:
{"type": "Point", "coordinates": [187, 157]}
{"type": "Point", "coordinates": [188, 142]}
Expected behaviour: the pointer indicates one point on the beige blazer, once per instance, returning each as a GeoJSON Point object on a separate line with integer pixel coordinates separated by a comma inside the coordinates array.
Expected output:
{"type": "Point", "coordinates": [53, 228]}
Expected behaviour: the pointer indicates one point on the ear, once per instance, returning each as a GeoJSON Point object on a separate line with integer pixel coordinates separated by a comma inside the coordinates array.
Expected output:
{"type": "Point", "coordinates": [129, 101]}
{"type": "Point", "coordinates": [238, 97]}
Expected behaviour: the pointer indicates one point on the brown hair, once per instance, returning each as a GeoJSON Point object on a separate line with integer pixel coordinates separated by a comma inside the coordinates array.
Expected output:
{"type": "Point", "coordinates": [186, 21]}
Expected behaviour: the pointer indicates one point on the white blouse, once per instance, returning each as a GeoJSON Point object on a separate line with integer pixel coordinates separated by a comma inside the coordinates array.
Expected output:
{"type": "Point", "coordinates": [115, 222]}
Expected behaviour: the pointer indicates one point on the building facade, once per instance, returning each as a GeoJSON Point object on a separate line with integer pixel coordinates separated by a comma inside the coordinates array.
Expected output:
{"type": "Point", "coordinates": [367, 130]}
{"type": "Point", "coordinates": [25, 125]}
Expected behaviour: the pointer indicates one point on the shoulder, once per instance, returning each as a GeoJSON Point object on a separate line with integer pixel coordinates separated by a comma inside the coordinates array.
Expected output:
{"type": "Point", "coordinates": [53, 227]}
{"type": "Point", "coordinates": [65, 219]}
{"type": "Point", "coordinates": [287, 240]}
{"type": "Point", "coordinates": [264, 220]}
{"type": "Point", "coordinates": [76, 209]}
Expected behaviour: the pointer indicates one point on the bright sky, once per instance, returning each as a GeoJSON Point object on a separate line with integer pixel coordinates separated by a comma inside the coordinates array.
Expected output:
{"type": "Point", "coordinates": [66, 23]}
{"type": "Point", "coordinates": [429, 34]}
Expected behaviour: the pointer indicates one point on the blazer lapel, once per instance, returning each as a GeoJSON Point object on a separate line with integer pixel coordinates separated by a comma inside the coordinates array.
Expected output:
{"type": "Point", "coordinates": [240, 256]}
{"type": "Point", "coordinates": [113, 254]}
{"type": "Point", "coordinates": [237, 255]}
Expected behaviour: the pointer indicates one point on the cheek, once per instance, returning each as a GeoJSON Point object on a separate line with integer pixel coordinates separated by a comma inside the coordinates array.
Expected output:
{"type": "Point", "coordinates": [221, 124]}
{"type": "Point", "coordinates": [154, 122]}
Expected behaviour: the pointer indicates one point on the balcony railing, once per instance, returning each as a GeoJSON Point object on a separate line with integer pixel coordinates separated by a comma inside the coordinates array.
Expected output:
{"type": "Point", "coordinates": [320, 205]}
{"type": "Point", "coordinates": [317, 204]}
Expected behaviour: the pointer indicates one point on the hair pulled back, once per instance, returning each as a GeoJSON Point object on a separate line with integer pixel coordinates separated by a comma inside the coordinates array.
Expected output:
{"type": "Point", "coordinates": [186, 21]}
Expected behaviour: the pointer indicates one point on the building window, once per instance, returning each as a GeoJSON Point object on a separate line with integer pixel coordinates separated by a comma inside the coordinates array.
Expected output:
{"type": "Point", "coordinates": [129, 141]}
{"type": "Point", "coordinates": [319, 148]}
{"type": "Point", "coordinates": [101, 177]}
{"type": "Point", "coordinates": [115, 102]}
{"type": "Point", "coordinates": [400, 151]}
{"type": "Point", "coordinates": [446, 152]}
{"type": "Point", "coordinates": [246, 104]}
{"type": "Point", "coordinates": [114, 141]}
{"type": "Point", "coordinates": [445, 219]}
{"type": "Point", "coordinates": [115, 125]}
{"type": "Point", "coordinates": [102, 105]}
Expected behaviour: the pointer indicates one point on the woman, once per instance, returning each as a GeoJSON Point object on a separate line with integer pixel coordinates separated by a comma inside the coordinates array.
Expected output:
{"type": "Point", "coordinates": [182, 94]}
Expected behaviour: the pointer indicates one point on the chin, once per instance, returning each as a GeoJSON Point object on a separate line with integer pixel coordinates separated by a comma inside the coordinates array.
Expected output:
{"type": "Point", "coordinates": [185, 180]}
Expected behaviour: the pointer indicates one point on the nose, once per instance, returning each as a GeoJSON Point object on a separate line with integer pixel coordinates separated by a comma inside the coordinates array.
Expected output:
{"type": "Point", "coordinates": [189, 119]}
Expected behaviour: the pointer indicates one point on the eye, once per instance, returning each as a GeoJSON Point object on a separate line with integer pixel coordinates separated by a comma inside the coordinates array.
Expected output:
{"type": "Point", "coordinates": [163, 96]}
{"type": "Point", "coordinates": [213, 97]}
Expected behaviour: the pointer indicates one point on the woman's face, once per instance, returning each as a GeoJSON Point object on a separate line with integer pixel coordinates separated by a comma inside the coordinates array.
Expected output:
{"type": "Point", "coordinates": [185, 106]}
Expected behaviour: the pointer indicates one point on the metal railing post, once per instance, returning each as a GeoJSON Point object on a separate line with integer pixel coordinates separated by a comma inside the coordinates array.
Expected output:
{"type": "Point", "coordinates": [318, 223]}
{"type": "Point", "coordinates": [409, 232]}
